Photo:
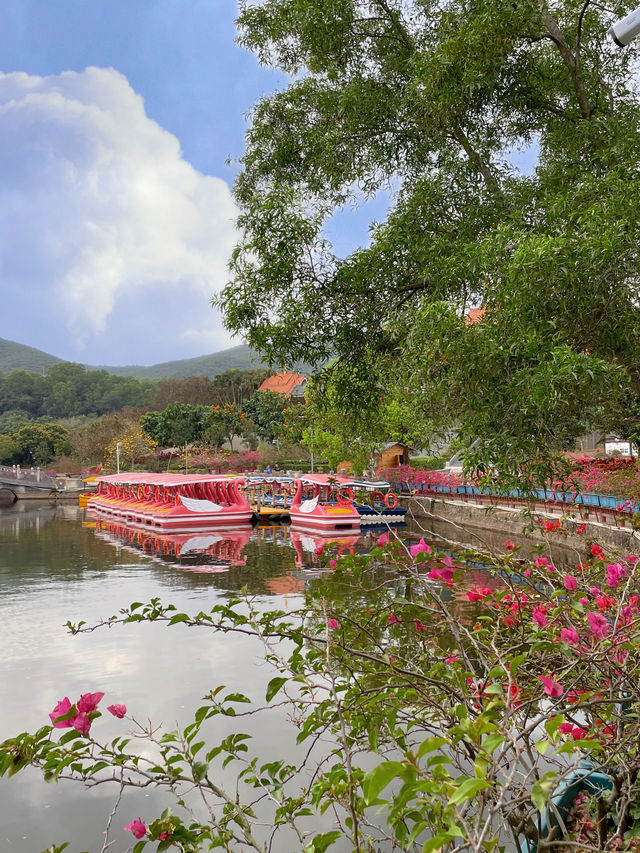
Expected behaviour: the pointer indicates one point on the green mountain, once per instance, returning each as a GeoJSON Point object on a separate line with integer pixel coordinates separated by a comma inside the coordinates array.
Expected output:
{"type": "Point", "coordinates": [20, 357]}
{"type": "Point", "coordinates": [15, 356]}
{"type": "Point", "coordinates": [240, 357]}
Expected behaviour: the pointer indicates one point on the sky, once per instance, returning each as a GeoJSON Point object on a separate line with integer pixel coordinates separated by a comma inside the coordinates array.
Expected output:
{"type": "Point", "coordinates": [121, 124]}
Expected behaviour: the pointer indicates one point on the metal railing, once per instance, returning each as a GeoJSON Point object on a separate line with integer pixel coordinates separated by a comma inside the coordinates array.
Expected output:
{"type": "Point", "coordinates": [28, 476]}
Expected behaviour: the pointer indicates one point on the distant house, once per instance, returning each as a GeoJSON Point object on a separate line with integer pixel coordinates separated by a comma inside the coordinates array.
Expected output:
{"type": "Point", "coordinates": [288, 384]}
{"type": "Point", "coordinates": [391, 456]}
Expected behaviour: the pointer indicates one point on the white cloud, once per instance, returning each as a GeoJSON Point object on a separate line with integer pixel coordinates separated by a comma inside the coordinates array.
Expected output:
{"type": "Point", "coordinates": [111, 244]}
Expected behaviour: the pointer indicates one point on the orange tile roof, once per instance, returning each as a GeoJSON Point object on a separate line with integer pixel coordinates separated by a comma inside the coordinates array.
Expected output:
{"type": "Point", "coordinates": [282, 383]}
{"type": "Point", "coordinates": [474, 315]}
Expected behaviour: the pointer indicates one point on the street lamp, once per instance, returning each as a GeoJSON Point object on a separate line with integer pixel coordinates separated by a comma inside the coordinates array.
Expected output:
{"type": "Point", "coordinates": [624, 31]}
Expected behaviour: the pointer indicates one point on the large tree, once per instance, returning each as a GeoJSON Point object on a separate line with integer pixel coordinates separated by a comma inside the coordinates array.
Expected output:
{"type": "Point", "coordinates": [426, 101]}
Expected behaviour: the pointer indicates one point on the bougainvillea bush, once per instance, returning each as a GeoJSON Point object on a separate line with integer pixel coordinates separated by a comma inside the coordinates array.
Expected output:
{"type": "Point", "coordinates": [439, 701]}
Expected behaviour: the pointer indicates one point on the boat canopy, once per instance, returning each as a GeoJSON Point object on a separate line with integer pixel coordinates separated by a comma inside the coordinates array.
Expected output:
{"type": "Point", "coordinates": [133, 478]}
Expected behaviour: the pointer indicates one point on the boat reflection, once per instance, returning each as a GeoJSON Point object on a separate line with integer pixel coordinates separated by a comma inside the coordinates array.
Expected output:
{"type": "Point", "coordinates": [199, 551]}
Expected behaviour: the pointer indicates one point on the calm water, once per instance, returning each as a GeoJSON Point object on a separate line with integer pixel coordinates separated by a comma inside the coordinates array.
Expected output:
{"type": "Point", "coordinates": [56, 565]}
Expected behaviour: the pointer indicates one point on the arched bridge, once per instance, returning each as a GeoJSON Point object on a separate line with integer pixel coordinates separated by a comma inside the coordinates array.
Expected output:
{"type": "Point", "coordinates": [17, 482]}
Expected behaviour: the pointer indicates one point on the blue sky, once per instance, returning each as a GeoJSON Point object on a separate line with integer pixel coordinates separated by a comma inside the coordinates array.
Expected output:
{"type": "Point", "coordinates": [117, 119]}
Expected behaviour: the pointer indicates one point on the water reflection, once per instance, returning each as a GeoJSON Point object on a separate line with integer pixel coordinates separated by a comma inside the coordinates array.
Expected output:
{"type": "Point", "coordinates": [56, 564]}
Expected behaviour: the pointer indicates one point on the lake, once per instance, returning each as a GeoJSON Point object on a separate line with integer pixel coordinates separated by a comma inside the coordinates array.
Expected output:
{"type": "Point", "coordinates": [56, 565]}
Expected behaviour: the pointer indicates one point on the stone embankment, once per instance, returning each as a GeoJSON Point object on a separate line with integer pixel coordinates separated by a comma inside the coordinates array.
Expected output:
{"type": "Point", "coordinates": [486, 526]}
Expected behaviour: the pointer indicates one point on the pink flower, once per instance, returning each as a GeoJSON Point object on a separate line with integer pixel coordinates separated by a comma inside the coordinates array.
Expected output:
{"type": "Point", "coordinates": [88, 702]}
{"type": "Point", "coordinates": [162, 836]}
{"type": "Point", "coordinates": [62, 708]}
{"type": "Point", "coordinates": [319, 550]}
{"type": "Point", "coordinates": [333, 564]}
{"type": "Point", "coordinates": [540, 615]}
{"type": "Point", "coordinates": [451, 659]}
{"type": "Point", "coordinates": [580, 529]}
{"type": "Point", "coordinates": [137, 827]}
{"type": "Point", "coordinates": [393, 619]}
{"type": "Point", "coordinates": [509, 545]}
{"type": "Point", "coordinates": [565, 728]}
{"type": "Point", "coordinates": [570, 636]}
{"type": "Point", "coordinates": [551, 686]}
{"type": "Point", "coordinates": [332, 623]}
{"type": "Point", "coordinates": [614, 572]}
{"type": "Point", "coordinates": [383, 539]}
{"type": "Point", "coordinates": [419, 625]}
{"type": "Point", "coordinates": [414, 550]}
{"type": "Point", "coordinates": [578, 733]}
{"type": "Point", "coordinates": [447, 561]}
{"type": "Point", "coordinates": [82, 723]}
{"type": "Point", "coordinates": [583, 601]}
{"type": "Point", "coordinates": [527, 572]}
{"type": "Point", "coordinates": [598, 624]}
{"type": "Point", "coordinates": [478, 594]}
{"type": "Point", "coordinates": [570, 582]}
{"type": "Point", "coordinates": [117, 710]}
{"type": "Point", "coordinates": [392, 659]}
{"type": "Point", "coordinates": [541, 562]}
{"type": "Point", "coordinates": [594, 590]}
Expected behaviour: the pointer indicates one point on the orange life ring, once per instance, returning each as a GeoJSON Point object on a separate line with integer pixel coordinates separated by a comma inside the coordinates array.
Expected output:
{"type": "Point", "coordinates": [345, 496]}
{"type": "Point", "coordinates": [376, 497]}
{"type": "Point", "coordinates": [390, 500]}
{"type": "Point", "coordinates": [140, 493]}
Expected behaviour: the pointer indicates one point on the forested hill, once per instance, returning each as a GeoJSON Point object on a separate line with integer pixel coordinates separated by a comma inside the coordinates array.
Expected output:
{"type": "Point", "coordinates": [235, 358]}
{"type": "Point", "coordinates": [20, 357]}
{"type": "Point", "coordinates": [14, 356]}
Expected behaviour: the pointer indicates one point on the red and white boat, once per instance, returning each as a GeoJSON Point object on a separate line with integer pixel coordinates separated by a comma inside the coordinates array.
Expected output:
{"type": "Point", "coordinates": [172, 502]}
{"type": "Point", "coordinates": [322, 502]}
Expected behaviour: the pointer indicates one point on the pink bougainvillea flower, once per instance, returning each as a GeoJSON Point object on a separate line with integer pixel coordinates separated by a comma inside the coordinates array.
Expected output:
{"type": "Point", "coordinates": [631, 558]}
{"type": "Point", "coordinates": [578, 733]}
{"type": "Point", "coordinates": [570, 636]}
{"type": "Point", "coordinates": [509, 545]}
{"type": "Point", "coordinates": [333, 623]}
{"type": "Point", "coordinates": [604, 602]}
{"type": "Point", "coordinates": [62, 708]}
{"type": "Point", "coordinates": [419, 625]}
{"type": "Point", "coordinates": [382, 539]}
{"type": "Point", "coordinates": [88, 702]}
{"type": "Point", "coordinates": [527, 572]}
{"type": "Point", "coordinates": [551, 686]}
{"type": "Point", "coordinates": [583, 601]}
{"type": "Point", "coordinates": [82, 723]}
{"type": "Point", "coordinates": [476, 594]}
{"type": "Point", "coordinates": [447, 561]}
{"type": "Point", "coordinates": [319, 550]}
{"type": "Point", "coordinates": [392, 659]}
{"type": "Point", "coordinates": [117, 710]}
{"type": "Point", "coordinates": [598, 624]}
{"type": "Point", "coordinates": [333, 564]}
{"type": "Point", "coordinates": [597, 552]}
{"type": "Point", "coordinates": [451, 659]}
{"type": "Point", "coordinates": [162, 836]}
{"type": "Point", "coordinates": [565, 728]}
{"type": "Point", "coordinates": [137, 827]}
{"type": "Point", "coordinates": [570, 582]}
{"type": "Point", "coordinates": [615, 571]}
{"type": "Point", "coordinates": [594, 590]}
{"type": "Point", "coordinates": [580, 529]}
{"type": "Point", "coordinates": [393, 619]}
{"type": "Point", "coordinates": [540, 615]}
{"type": "Point", "coordinates": [421, 547]}
{"type": "Point", "coordinates": [541, 562]}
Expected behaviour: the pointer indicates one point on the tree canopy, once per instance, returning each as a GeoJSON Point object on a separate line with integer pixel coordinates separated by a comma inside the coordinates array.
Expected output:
{"type": "Point", "coordinates": [427, 102]}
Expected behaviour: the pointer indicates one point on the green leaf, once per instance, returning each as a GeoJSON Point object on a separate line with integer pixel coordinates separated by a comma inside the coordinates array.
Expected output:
{"type": "Point", "coordinates": [468, 789]}
{"type": "Point", "coordinates": [274, 686]}
{"type": "Point", "coordinates": [378, 779]}
{"type": "Point", "coordinates": [430, 744]}
{"type": "Point", "coordinates": [542, 790]}
{"type": "Point", "coordinates": [322, 842]}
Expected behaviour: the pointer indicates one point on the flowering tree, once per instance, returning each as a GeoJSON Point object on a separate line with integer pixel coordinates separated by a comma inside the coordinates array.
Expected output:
{"type": "Point", "coordinates": [473, 699]}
